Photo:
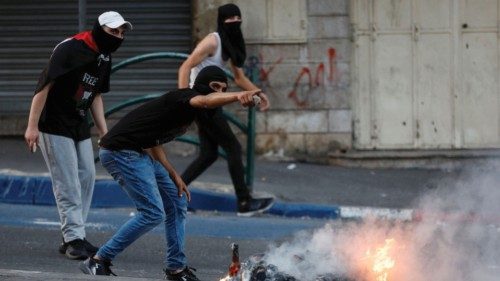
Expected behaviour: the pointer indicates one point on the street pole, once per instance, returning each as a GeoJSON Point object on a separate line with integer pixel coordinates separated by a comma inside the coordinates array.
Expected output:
{"type": "Point", "coordinates": [82, 15]}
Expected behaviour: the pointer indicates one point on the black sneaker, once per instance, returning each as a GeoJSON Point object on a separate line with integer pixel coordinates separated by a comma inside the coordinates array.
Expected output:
{"type": "Point", "coordinates": [75, 250]}
{"type": "Point", "coordinates": [185, 275]}
{"type": "Point", "coordinates": [96, 267]}
{"type": "Point", "coordinates": [248, 208]}
{"type": "Point", "coordinates": [91, 249]}
{"type": "Point", "coordinates": [63, 247]}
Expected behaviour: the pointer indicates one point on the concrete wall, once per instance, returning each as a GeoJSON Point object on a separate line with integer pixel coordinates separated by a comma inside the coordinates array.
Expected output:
{"type": "Point", "coordinates": [299, 51]}
{"type": "Point", "coordinates": [308, 82]}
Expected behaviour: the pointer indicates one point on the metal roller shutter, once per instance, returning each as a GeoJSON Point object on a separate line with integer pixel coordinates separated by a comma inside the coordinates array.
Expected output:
{"type": "Point", "coordinates": [29, 30]}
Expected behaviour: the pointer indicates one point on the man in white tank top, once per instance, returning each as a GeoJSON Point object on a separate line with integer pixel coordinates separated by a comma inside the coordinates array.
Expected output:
{"type": "Point", "coordinates": [218, 48]}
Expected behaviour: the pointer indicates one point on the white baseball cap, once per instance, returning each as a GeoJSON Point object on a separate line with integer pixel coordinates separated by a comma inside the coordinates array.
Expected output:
{"type": "Point", "coordinates": [113, 19]}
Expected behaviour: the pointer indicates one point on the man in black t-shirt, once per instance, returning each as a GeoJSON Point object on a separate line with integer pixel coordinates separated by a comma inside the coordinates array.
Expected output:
{"type": "Point", "coordinates": [77, 73]}
{"type": "Point", "coordinates": [133, 154]}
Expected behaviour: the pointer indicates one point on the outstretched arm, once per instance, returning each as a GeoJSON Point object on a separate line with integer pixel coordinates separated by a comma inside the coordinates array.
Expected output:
{"type": "Point", "coordinates": [245, 98]}
{"type": "Point", "coordinates": [243, 82]}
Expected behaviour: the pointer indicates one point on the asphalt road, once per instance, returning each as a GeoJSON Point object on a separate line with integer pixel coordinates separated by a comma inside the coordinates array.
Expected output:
{"type": "Point", "coordinates": [29, 235]}
{"type": "Point", "coordinates": [30, 238]}
{"type": "Point", "coordinates": [458, 250]}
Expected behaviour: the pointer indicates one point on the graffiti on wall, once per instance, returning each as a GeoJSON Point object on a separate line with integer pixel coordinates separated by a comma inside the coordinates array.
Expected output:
{"type": "Point", "coordinates": [305, 81]}
{"type": "Point", "coordinates": [257, 73]}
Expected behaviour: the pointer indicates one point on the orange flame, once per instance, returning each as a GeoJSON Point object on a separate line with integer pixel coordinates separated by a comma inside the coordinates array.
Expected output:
{"type": "Point", "coordinates": [381, 261]}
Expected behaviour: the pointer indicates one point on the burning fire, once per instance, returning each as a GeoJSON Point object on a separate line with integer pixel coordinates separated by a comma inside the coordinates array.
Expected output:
{"type": "Point", "coordinates": [371, 260]}
{"type": "Point", "coordinates": [380, 261]}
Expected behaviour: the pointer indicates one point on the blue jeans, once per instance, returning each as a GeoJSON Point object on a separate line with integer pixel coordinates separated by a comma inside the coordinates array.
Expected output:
{"type": "Point", "coordinates": [156, 198]}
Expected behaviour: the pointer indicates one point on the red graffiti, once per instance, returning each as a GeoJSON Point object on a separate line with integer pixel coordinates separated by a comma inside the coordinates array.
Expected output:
{"type": "Point", "coordinates": [332, 55]}
{"type": "Point", "coordinates": [254, 69]}
{"type": "Point", "coordinates": [264, 73]}
{"type": "Point", "coordinates": [293, 94]}
{"type": "Point", "coordinates": [320, 71]}
{"type": "Point", "coordinates": [318, 79]}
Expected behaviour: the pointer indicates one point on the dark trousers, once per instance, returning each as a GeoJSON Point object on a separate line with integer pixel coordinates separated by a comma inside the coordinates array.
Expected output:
{"type": "Point", "coordinates": [214, 131]}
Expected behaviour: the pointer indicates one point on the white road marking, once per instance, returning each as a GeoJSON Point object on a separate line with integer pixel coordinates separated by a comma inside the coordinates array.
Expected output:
{"type": "Point", "coordinates": [367, 212]}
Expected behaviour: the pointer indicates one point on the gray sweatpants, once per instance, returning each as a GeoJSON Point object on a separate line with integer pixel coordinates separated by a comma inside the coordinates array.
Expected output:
{"type": "Point", "coordinates": [72, 170]}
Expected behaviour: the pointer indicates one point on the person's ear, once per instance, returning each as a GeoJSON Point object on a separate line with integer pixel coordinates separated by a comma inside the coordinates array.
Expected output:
{"type": "Point", "coordinates": [213, 86]}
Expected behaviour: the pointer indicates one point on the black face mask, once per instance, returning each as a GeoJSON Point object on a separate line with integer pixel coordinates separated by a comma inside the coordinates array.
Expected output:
{"type": "Point", "coordinates": [203, 89]}
{"type": "Point", "coordinates": [233, 29]}
{"type": "Point", "coordinates": [205, 76]}
{"type": "Point", "coordinates": [201, 85]}
{"type": "Point", "coordinates": [233, 44]}
{"type": "Point", "coordinates": [106, 42]}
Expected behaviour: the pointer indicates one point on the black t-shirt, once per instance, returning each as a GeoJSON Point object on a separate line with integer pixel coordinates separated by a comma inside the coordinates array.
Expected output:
{"type": "Point", "coordinates": [153, 123]}
{"type": "Point", "coordinates": [78, 73]}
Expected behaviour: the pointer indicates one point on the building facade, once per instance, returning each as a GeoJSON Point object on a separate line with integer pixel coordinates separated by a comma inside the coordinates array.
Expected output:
{"type": "Point", "coordinates": [358, 75]}
{"type": "Point", "coordinates": [299, 52]}
{"type": "Point", "coordinates": [365, 75]}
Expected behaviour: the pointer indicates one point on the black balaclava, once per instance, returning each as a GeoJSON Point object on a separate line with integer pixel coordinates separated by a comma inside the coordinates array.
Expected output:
{"type": "Point", "coordinates": [233, 44]}
{"type": "Point", "coordinates": [106, 42]}
{"type": "Point", "coordinates": [208, 74]}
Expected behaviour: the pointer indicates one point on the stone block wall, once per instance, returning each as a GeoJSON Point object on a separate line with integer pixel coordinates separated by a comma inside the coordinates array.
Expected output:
{"type": "Point", "coordinates": [308, 82]}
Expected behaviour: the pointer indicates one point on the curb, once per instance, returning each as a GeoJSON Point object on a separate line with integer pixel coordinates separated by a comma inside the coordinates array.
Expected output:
{"type": "Point", "coordinates": [37, 190]}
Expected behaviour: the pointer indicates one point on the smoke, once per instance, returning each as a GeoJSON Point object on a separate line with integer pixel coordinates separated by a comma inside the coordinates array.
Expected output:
{"type": "Point", "coordinates": [455, 236]}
